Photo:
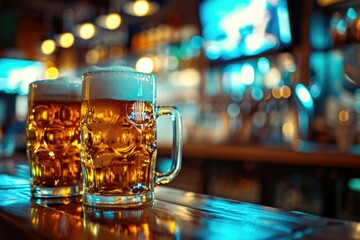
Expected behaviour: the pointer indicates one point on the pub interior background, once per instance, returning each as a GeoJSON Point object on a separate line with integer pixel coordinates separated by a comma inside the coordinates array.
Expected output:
{"type": "Point", "coordinates": [269, 91]}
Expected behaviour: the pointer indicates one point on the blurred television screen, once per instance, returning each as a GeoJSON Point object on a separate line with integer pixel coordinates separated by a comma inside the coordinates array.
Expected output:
{"type": "Point", "coordinates": [238, 28]}
{"type": "Point", "coordinates": [17, 74]}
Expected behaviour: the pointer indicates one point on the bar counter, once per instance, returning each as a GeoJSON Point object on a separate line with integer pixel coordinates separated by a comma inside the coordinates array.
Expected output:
{"type": "Point", "coordinates": [175, 214]}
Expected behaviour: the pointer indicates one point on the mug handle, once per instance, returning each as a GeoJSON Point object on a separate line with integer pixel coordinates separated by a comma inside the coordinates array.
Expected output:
{"type": "Point", "coordinates": [176, 154]}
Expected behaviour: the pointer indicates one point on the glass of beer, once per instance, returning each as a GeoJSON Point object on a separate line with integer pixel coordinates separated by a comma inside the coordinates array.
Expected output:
{"type": "Point", "coordinates": [53, 138]}
{"type": "Point", "coordinates": [118, 138]}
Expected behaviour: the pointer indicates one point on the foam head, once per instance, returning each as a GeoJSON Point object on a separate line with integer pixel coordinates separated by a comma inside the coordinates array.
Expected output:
{"type": "Point", "coordinates": [119, 83]}
{"type": "Point", "coordinates": [60, 89]}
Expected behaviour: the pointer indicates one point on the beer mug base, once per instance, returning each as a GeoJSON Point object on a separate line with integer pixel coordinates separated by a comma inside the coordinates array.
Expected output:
{"type": "Point", "coordinates": [55, 192]}
{"type": "Point", "coordinates": [119, 201]}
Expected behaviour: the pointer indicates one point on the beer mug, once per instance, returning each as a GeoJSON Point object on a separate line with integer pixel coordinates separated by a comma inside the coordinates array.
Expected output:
{"type": "Point", "coordinates": [53, 138]}
{"type": "Point", "coordinates": [118, 137]}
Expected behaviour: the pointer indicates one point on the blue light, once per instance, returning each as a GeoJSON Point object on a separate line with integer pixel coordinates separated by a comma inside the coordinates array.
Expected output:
{"type": "Point", "coordinates": [285, 33]}
{"type": "Point", "coordinates": [357, 106]}
{"type": "Point", "coordinates": [233, 73]}
{"type": "Point", "coordinates": [257, 93]}
{"type": "Point", "coordinates": [315, 90]}
{"type": "Point", "coordinates": [233, 25]}
{"type": "Point", "coordinates": [341, 27]}
{"type": "Point", "coordinates": [197, 42]}
{"type": "Point", "coordinates": [212, 51]}
{"type": "Point", "coordinates": [247, 74]}
{"type": "Point", "coordinates": [304, 96]}
{"type": "Point", "coordinates": [354, 184]}
{"type": "Point", "coordinates": [304, 123]}
{"type": "Point", "coordinates": [17, 74]}
{"type": "Point", "coordinates": [263, 65]}
{"type": "Point", "coordinates": [233, 110]}
{"type": "Point", "coordinates": [254, 222]}
{"type": "Point", "coordinates": [351, 13]}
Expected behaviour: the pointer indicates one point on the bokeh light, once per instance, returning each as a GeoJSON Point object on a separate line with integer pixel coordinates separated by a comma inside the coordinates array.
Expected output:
{"type": "Point", "coordinates": [343, 116]}
{"type": "Point", "coordinates": [285, 91]}
{"type": "Point", "coordinates": [92, 56]}
{"type": "Point", "coordinates": [51, 73]}
{"type": "Point", "coordinates": [141, 8]}
{"type": "Point", "coordinates": [48, 46]}
{"type": "Point", "coordinates": [288, 130]}
{"type": "Point", "coordinates": [233, 110]}
{"type": "Point", "coordinates": [145, 64]}
{"type": "Point", "coordinates": [272, 78]}
{"type": "Point", "coordinates": [87, 31]}
{"type": "Point", "coordinates": [276, 92]}
{"type": "Point", "coordinates": [263, 65]}
{"type": "Point", "coordinates": [247, 74]}
{"type": "Point", "coordinates": [113, 21]}
{"type": "Point", "coordinates": [66, 40]}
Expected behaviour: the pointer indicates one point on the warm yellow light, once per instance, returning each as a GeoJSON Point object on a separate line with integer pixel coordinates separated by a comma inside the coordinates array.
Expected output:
{"type": "Point", "coordinates": [51, 73]}
{"type": "Point", "coordinates": [276, 92]}
{"type": "Point", "coordinates": [145, 64]}
{"type": "Point", "coordinates": [92, 56]}
{"type": "Point", "coordinates": [113, 21]}
{"type": "Point", "coordinates": [141, 8]}
{"type": "Point", "coordinates": [343, 116]}
{"type": "Point", "coordinates": [285, 91]}
{"type": "Point", "coordinates": [272, 78]}
{"type": "Point", "coordinates": [288, 130]}
{"type": "Point", "coordinates": [48, 46]}
{"type": "Point", "coordinates": [87, 31]}
{"type": "Point", "coordinates": [66, 40]}
{"type": "Point", "coordinates": [189, 77]}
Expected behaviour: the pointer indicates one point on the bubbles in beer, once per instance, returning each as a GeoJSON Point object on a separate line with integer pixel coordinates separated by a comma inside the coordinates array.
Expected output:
{"type": "Point", "coordinates": [57, 137]}
{"type": "Point", "coordinates": [42, 115]}
{"type": "Point", "coordinates": [104, 157]}
{"type": "Point", "coordinates": [116, 155]}
{"type": "Point", "coordinates": [68, 116]}
{"type": "Point", "coordinates": [53, 143]}
{"type": "Point", "coordinates": [123, 137]}
{"type": "Point", "coordinates": [70, 159]}
{"type": "Point", "coordinates": [45, 157]}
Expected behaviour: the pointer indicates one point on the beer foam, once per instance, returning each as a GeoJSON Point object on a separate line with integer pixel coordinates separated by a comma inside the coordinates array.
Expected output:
{"type": "Point", "coordinates": [63, 89]}
{"type": "Point", "coordinates": [119, 83]}
{"type": "Point", "coordinates": [111, 69]}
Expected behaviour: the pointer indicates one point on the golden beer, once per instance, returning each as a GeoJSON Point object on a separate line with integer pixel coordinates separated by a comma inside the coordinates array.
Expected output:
{"type": "Point", "coordinates": [118, 138]}
{"type": "Point", "coordinates": [53, 138]}
{"type": "Point", "coordinates": [119, 146]}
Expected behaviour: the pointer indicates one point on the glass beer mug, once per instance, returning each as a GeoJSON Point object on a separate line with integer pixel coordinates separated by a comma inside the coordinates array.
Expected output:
{"type": "Point", "coordinates": [53, 138]}
{"type": "Point", "coordinates": [118, 138]}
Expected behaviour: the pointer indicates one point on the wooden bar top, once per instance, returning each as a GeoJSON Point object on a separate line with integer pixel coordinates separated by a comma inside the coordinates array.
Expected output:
{"type": "Point", "coordinates": [175, 214]}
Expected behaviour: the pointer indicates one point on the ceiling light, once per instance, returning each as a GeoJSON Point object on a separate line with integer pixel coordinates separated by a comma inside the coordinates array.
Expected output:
{"type": "Point", "coordinates": [110, 21]}
{"type": "Point", "coordinates": [141, 8]}
{"type": "Point", "coordinates": [51, 73]}
{"type": "Point", "coordinates": [66, 40]}
{"type": "Point", "coordinates": [145, 64]}
{"type": "Point", "coordinates": [113, 21]}
{"type": "Point", "coordinates": [85, 31]}
{"type": "Point", "coordinates": [48, 46]}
